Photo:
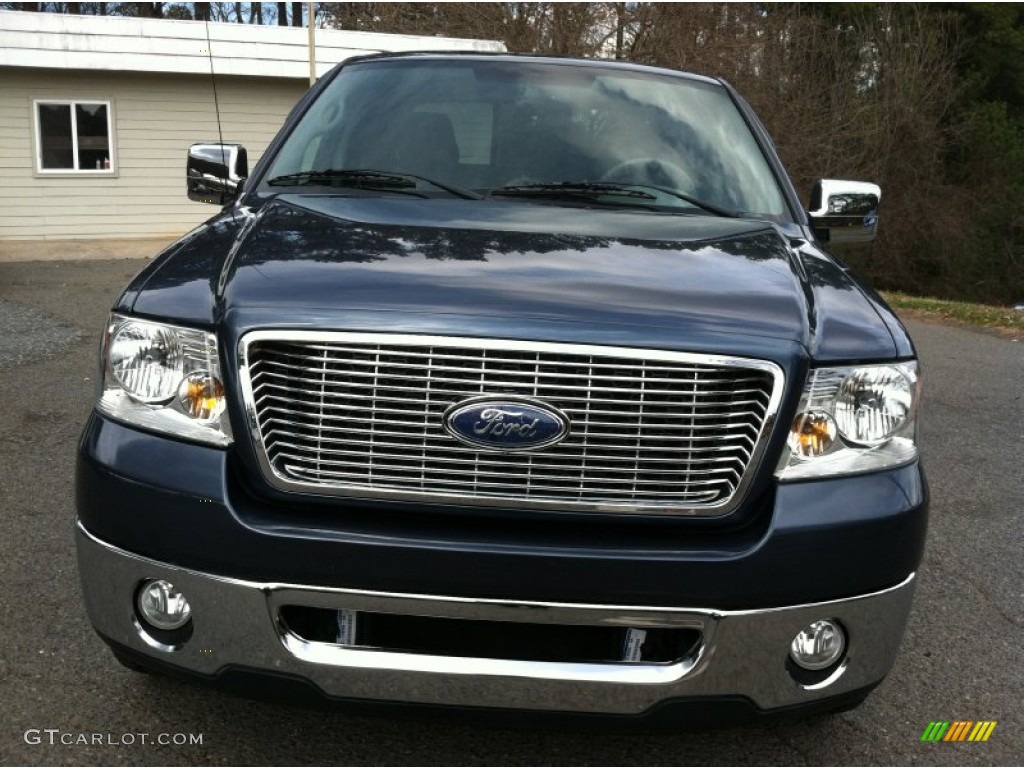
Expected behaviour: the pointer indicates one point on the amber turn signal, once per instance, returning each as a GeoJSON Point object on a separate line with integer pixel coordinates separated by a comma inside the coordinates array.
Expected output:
{"type": "Point", "coordinates": [201, 396]}
{"type": "Point", "coordinates": [812, 434]}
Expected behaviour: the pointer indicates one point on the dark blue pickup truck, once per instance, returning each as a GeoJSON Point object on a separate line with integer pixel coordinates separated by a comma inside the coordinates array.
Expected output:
{"type": "Point", "coordinates": [511, 384]}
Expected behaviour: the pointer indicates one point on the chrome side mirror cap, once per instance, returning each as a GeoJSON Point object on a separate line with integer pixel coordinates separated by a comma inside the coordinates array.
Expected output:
{"type": "Point", "coordinates": [215, 172]}
{"type": "Point", "coordinates": [845, 211]}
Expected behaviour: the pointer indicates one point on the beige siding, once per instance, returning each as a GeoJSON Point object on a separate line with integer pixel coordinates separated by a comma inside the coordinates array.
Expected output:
{"type": "Point", "coordinates": [156, 118]}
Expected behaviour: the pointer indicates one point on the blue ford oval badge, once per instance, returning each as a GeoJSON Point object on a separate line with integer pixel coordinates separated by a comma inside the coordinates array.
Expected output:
{"type": "Point", "coordinates": [506, 423]}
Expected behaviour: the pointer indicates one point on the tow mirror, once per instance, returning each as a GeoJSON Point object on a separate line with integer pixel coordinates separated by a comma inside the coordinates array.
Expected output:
{"type": "Point", "coordinates": [215, 172]}
{"type": "Point", "coordinates": [845, 211]}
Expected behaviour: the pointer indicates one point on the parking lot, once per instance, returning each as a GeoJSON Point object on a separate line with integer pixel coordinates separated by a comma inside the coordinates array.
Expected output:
{"type": "Point", "coordinates": [962, 658]}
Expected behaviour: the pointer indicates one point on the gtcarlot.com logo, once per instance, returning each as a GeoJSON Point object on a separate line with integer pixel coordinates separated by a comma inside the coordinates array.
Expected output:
{"type": "Point", "coordinates": [57, 737]}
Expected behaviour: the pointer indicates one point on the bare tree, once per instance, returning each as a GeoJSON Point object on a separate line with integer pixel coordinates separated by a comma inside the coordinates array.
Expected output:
{"type": "Point", "coordinates": [151, 10]}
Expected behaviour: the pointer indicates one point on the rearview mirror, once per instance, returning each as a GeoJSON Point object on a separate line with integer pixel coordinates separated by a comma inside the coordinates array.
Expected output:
{"type": "Point", "coordinates": [845, 211]}
{"type": "Point", "coordinates": [214, 172]}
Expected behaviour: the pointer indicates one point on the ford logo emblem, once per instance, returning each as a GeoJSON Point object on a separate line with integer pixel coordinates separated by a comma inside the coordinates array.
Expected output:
{"type": "Point", "coordinates": [506, 423]}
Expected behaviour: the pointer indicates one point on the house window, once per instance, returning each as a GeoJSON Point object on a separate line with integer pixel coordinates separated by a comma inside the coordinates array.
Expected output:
{"type": "Point", "coordinates": [74, 137]}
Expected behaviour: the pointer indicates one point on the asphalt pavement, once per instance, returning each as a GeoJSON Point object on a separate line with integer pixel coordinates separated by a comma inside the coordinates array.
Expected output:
{"type": "Point", "coordinates": [962, 658]}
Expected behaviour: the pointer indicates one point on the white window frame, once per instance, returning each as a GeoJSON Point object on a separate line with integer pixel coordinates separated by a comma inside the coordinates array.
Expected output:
{"type": "Point", "coordinates": [111, 171]}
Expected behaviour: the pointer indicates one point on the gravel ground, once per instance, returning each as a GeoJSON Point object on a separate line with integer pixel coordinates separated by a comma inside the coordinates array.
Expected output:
{"type": "Point", "coordinates": [30, 334]}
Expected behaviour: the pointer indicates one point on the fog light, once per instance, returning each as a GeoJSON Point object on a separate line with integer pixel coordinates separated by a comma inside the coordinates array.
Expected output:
{"type": "Point", "coordinates": [162, 605]}
{"type": "Point", "coordinates": [818, 646]}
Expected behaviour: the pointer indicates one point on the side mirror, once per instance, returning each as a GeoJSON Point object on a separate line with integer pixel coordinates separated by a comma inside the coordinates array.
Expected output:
{"type": "Point", "coordinates": [845, 211]}
{"type": "Point", "coordinates": [215, 172]}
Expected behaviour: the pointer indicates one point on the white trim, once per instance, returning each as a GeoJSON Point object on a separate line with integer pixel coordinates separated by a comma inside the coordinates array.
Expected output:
{"type": "Point", "coordinates": [67, 41]}
{"type": "Point", "coordinates": [76, 171]}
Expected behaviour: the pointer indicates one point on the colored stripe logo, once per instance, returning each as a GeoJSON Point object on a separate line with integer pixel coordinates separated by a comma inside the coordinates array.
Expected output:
{"type": "Point", "coordinates": [958, 730]}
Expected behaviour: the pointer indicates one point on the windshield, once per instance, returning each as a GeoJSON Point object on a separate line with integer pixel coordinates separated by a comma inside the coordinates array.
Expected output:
{"type": "Point", "coordinates": [485, 125]}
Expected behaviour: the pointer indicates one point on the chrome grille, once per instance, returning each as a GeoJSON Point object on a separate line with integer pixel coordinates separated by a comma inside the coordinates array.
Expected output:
{"type": "Point", "coordinates": [362, 415]}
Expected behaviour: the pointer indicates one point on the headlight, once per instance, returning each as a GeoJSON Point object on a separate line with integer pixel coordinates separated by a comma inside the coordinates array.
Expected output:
{"type": "Point", "coordinates": [164, 378]}
{"type": "Point", "coordinates": [851, 420]}
{"type": "Point", "coordinates": [146, 360]}
{"type": "Point", "coordinates": [873, 404]}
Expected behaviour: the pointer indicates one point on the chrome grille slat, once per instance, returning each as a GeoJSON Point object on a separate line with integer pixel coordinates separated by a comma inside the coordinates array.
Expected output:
{"type": "Point", "coordinates": [573, 489]}
{"type": "Point", "coordinates": [477, 472]}
{"type": "Point", "coordinates": [598, 460]}
{"type": "Point", "coordinates": [574, 451]}
{"type": "Point", "coordinates": [605, 467]}
{"type": "Point", "coordinates": [651, 431]}
{"type": "Point", "coordinates": [731, 412]}
{"type": "Point", "coordinates": [481, 346]}
{"type": "Point", "coordinates": [594, 450]}
{"type": "Point", "coordinates": [673, 447]}
{"type": "Point", "coordinates": [494, 382]}
{"type": "Point", "coordinates": [304, 379]}
{"type": "Point", "coordinates": [693, 415]}
{"type": "Point", "coordinates": [417, 370]}
{"type": "Point", "coordinates": [583, 423]}
{"type": "Point", "coordinates": [457, 392]}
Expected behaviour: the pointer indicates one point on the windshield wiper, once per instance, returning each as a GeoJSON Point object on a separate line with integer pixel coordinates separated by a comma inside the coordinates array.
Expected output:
{"type": "Point", "coordinates": [587, 190]}
{"type": "Point", "coordinates": [694, 201]}
{"type": "Point", "coordinates": [368, 179]}
{"type": "Point", "coordinates": [592, 190]}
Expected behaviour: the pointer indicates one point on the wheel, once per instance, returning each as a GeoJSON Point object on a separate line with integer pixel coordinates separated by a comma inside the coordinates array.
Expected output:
{"type": "Point", "coordinates": [650, 170]}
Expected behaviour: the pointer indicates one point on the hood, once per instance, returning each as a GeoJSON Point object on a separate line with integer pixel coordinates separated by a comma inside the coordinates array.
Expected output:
{"type": "Point", "coordinates": [518, 262]}
{"type": "Point", "coordinates": [520, 270]}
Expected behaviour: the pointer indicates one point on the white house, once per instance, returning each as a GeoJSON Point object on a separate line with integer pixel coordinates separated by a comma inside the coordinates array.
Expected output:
{"type": "Point", "coordinates": [97, 112]}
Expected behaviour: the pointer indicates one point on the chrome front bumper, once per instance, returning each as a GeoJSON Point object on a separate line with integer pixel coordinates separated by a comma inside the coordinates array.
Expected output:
{"type": "Point", "coordinates": [742, 653]}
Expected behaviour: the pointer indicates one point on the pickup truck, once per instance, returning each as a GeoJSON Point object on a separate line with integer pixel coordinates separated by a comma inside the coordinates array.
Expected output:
{"type": "Point", "coordinates": [509, 385]}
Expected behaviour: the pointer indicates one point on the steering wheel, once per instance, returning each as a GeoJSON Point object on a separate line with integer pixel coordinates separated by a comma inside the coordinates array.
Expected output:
{"type": "Point", "coordinates": [650, 170]}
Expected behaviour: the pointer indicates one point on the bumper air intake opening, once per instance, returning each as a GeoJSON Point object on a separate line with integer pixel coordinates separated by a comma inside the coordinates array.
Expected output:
{"type": "Point", "coordinates": [518, 641]}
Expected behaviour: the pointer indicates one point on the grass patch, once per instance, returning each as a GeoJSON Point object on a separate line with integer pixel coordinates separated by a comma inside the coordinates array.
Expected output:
{"type": "Point", "coordinates": [983, 315]}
